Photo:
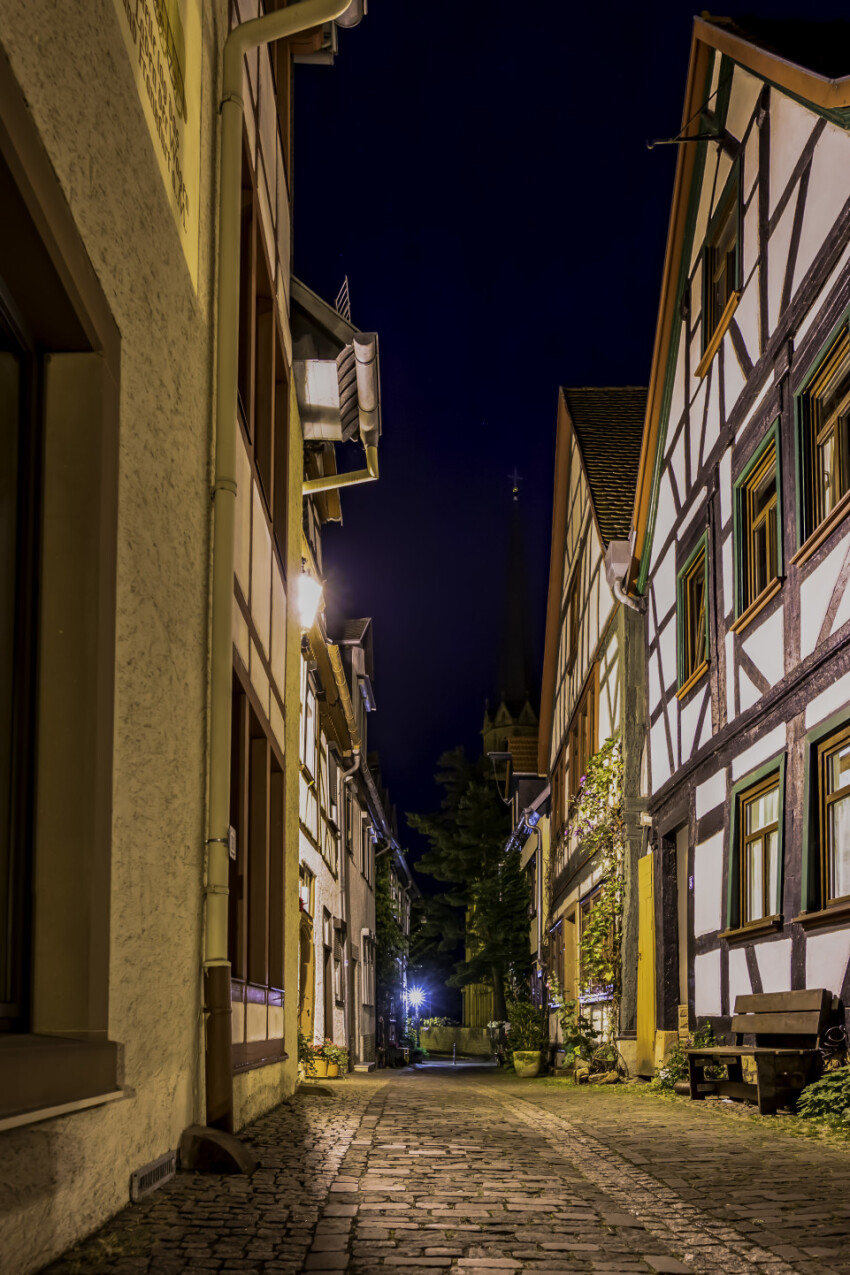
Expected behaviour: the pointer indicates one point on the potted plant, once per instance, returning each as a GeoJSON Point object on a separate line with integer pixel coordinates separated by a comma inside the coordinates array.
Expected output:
{"type": "Point", "coordinates": [526, 1031]}
{"type": "Point", "coordinates": [320, 1061]}
{"type": "Point", "coordinates": [336, 1057]}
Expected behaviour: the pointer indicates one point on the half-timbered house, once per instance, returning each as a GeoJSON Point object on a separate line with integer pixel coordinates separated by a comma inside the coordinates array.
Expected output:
{"type": "Point", "coordinates": [592, 655]}
{"type": "Point", "coordinates": [741, 532]}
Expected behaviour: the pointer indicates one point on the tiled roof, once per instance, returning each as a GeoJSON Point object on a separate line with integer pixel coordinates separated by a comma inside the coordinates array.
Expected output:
{"type": "Point", "coordinates": [822, 47]}
{"type": "Point", "coordinates": [523, 751]}
{"type": "Point", "coordinates": [608, 423]}
{"type": "Point", "coordinates": [353, 631]}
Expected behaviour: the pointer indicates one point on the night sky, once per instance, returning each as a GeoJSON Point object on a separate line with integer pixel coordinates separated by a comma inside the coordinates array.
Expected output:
{"type": "Point", "coordinates": [485, 184]}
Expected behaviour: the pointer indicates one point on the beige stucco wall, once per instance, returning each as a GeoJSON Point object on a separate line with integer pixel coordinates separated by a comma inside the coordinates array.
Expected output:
{"type": "Point", "coordinates": [61, 1178]}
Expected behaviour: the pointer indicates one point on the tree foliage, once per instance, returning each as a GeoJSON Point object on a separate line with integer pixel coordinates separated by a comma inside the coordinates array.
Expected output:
{"type": "Point", "coordinates": [598, 828]}
{"type": "Point", "coordinates": [390, 942]}
{"type": "Point", "coordinates": [486, 902]}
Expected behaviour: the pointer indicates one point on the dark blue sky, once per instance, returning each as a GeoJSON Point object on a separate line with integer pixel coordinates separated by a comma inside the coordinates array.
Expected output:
{"type": "Point", "coordinates": [485, 184]}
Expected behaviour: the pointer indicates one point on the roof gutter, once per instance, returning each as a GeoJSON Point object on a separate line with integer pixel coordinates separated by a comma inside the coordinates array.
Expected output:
{"type": "Point", "coordinates": [216, 967]}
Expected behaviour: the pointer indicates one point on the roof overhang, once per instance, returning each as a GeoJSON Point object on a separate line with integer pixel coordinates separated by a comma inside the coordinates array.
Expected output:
{"type": "Point", "coordinates": [822, 92]}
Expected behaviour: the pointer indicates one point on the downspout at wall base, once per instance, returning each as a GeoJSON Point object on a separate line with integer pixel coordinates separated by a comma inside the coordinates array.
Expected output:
{"type": "Point", "coordinates": [249, 35]}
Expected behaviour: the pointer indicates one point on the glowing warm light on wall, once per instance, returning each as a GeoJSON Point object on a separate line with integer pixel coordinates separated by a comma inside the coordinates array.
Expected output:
{"type": "Point", "coordinates": [308, 598]}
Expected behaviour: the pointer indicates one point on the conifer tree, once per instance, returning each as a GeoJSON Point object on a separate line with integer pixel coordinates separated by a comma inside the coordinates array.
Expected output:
{"type": "Point", "coordinates": [487, 900]}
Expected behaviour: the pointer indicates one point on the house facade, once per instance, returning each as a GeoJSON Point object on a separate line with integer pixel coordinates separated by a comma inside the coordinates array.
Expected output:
{"type": "Point", "coordinates": [741, 538]}
{"type": "Point", "coordinates": [592, 686]}
{"type": "Point", "coordinates": [149, 860]}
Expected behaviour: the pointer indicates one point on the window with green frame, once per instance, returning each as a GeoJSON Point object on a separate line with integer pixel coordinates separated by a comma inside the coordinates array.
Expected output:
{"type": "Point", "coordinates": [756, 848]}
{"type": "Point", "coordinates": [758, 524]}
{"type": "Point", "coordinates": [833, 760]}
{"type": "Point", "coordinates": [692, 615]}
{"type": "Point", "coordinates": [721, 258]}
{"type": "Point", "coordinates": [823, 424]}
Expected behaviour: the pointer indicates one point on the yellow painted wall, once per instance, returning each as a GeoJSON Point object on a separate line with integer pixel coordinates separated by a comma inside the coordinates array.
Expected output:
{"type": "Point", "coordinates": [62, 1178]}
{"type": "Point", "coordinates": [645, 1061]}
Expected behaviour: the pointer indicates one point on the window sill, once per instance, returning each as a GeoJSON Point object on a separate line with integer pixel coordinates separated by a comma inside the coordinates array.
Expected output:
{"type": "Point", "coordinates": [686, 687]}
{"type": "Point", "coordinates": [836, 914]}
{"type": "Point", "coordinates": [717, 335]}
{"type": "Point", "coordinates": [823, 531]}
{"type": "Point", "coordinates": [757, 606]}
{"type": "Point", "coordinates": [765, 925]}
{"type": "Point", "coordinates": [257, 1053]}
{"type": "Point", "coordinates": [54, 1074]}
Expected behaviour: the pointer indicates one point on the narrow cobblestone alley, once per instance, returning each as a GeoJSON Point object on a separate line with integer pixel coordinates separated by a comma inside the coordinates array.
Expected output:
{"type": "Point", "coordinates": [433, 1170]}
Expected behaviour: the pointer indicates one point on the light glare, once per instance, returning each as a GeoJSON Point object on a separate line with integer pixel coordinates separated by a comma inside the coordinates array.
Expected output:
{"type": "Point", "coordinates": [308, 599]}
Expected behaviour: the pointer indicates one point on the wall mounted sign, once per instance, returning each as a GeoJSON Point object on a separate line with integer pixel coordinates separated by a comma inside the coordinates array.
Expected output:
{"type": "Point", "coordinates": [163, 40]}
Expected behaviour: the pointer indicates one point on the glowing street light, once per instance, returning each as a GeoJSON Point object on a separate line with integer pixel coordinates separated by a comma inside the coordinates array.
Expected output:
{"type": "Point", "coordinates": [416, 997]}
{"type": "Point", "coordinates": [308, 597]}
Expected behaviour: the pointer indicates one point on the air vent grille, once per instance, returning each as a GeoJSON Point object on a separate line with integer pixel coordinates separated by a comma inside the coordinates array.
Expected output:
{"type": "Point", "coordinates": [152, 1175]}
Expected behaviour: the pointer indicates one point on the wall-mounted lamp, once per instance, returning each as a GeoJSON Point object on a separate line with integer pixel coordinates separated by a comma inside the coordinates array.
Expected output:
{"type": "Point", "coordinates": [308, 596]}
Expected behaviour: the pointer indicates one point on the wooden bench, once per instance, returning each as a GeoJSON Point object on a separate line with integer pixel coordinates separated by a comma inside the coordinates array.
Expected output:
{"type": "Point", "coordinates": [787, 1028]}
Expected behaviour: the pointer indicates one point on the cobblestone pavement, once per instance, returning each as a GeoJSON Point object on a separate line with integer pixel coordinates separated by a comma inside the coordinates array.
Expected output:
{"type": "Point", "coordinates": [434, 1170]}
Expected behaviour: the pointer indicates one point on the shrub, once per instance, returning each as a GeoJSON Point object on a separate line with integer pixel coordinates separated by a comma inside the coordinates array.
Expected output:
{"type": "Point", "coordinates": [306, 1054]}
{"type": "Point", "coordinates": [578, 1035]}
{"type": "Point", "coordinates": [676, 1066]}
{"type": "Point", "coordinates": [526, 1027]}
{"type": "Point", "coordinates": [828, 1098]}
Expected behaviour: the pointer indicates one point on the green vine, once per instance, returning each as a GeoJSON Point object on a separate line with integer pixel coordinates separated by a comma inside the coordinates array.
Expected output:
{"type": "Point", "coordinates": [578, 1035]}
{"type": "Point", "coordinates": [598, 828]}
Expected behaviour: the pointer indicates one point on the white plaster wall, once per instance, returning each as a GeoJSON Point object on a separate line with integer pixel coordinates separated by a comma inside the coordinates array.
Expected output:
{"type": "Point", "coordinates": [688, 721]}
{"type": "Point", "coordinates": [707, 984]}
{"type": "Point", "coordinates": [816, 594]}
{"type": "Point", "coordinates": [828, 702]}
{"type": "Point", "coordinates": [743, 96]}
{"type": "Point", "coordinates": [826, 960]}
{"type": "Point", "coordinates": [708, 885]}
{"type": "Point", "coordinates": [774, 962]}
{"type": "Point", "coordinates": [766, 646]}
{"type": "Point", "coordinates": [739, 977]}
{"type": "Point", "coordinates": [659, 757]}
{"type": "Point", "coordinates": [765, 747]}
{"type": "Point", "coordinates": [710, 794]}
{"type": "Point", "coordinates": [790, 128]}
{"type": "Point", "coordinates": [829, 190]}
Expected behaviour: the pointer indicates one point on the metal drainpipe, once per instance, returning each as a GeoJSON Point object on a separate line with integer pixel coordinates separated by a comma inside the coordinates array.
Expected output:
{"type": "Point", "coordinates": [249, 35]}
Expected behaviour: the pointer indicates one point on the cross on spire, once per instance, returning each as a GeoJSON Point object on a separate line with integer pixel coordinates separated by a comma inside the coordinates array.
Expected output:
{"type": "Point", "coordinates": [516, 479]}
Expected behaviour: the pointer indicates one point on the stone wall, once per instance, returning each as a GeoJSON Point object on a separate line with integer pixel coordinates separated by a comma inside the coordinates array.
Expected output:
{"type": "Point", "coordinates": [471, 1042]}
